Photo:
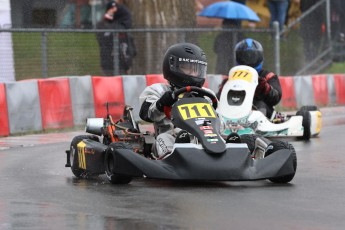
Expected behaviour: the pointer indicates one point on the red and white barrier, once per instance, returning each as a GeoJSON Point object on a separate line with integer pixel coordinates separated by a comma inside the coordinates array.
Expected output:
{"type": "Point", "coordinates": [320, 90]}
{"type": "Point", "coordinates": [339, 82]}
{"type": "Point", "coordinates": [288, 87]}
{"type": "Point", "coordinates": [4, 129]}
{"type": "Point", "coordinates": [64, 102]}
{"type": "Point", "coordinates": [55, 100]}
{"type": "Point", "coordinates": [108, 90]}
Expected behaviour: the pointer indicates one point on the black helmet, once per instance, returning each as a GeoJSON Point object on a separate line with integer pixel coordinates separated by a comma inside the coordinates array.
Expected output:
{"type": "Point", "coordinates": [185, 64]}
{"type": "Point", "coordinates": [249, 52]}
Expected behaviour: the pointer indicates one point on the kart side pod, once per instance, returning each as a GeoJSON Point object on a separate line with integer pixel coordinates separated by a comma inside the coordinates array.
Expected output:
{"type": "Point", "coordinates": [94, 126]}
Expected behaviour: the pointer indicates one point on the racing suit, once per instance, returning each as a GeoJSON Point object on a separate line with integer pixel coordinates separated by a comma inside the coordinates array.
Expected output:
{"type": "Point", "coordinates": [164, 128]}
{"type": "Point", "coordinates": [264, 100]}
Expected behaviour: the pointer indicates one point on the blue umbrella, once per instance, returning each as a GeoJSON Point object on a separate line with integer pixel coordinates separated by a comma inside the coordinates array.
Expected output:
{"type": "Point", "coordinates": [229, 10]}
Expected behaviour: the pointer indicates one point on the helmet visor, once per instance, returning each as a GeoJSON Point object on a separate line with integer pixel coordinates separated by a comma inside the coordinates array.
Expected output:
{"type": "Point", "coordinates": [190, 67]}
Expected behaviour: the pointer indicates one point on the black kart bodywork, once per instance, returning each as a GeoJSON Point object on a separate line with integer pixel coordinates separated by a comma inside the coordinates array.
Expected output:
{"type": "Point", "coordinates": [210, 160]}
{"type": "Point", "coordinates": [188, 162]}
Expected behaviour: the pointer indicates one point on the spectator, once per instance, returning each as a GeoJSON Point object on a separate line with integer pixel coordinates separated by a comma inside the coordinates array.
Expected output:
{"type": "Point", "coordinates": [224, 46]}
{"type": "Point", "coordinates": [337, 19]}
{"type": "Point", "coordinates": [311, 29]}
{"type": "Point", "coordinates": [117, 16]}
{"type": "Point", "coordinates": [278, 10]}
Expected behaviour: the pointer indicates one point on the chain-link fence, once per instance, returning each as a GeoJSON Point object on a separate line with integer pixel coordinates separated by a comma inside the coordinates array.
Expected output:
{"type": "Point", "coordinates": [304, 47]}
{"type": "Point", "coordinates": [42, 53]}
{"type": "Point", "coordinates": [310, 37]}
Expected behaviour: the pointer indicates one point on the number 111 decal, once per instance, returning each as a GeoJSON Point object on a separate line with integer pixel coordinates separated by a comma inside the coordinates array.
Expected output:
{"type": "Point", "coordinates": [196, 110]}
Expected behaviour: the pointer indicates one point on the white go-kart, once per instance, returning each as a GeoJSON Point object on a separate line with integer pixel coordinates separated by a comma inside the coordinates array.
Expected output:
{"type": "Point", "coordinates": [239, 116]}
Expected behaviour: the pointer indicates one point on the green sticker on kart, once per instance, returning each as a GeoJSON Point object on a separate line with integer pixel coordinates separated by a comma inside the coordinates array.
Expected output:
{"type": "Point", "coordinates": [196, 110]}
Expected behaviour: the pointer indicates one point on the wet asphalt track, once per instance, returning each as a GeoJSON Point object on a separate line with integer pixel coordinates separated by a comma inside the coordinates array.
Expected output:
{"type": "Point", "coordinates": [38, 192]}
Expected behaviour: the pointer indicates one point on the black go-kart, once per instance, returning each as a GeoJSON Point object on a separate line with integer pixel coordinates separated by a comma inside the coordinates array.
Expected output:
{"type": "Point", "coordinates": [121, 152]}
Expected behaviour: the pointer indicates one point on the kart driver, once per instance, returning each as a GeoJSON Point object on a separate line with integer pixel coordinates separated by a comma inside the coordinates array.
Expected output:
{"type": "Point", "coordinates": [184, 64]}
{"type": "Point", "coordinates": [268, 93]}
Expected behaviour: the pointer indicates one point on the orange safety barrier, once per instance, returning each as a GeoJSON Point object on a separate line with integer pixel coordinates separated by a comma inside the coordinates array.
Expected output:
{"type": "Point", "coordinates": [55, 100]}
{"type": "Point", "coordinates": [4, 127]}
{"type": "Point", "coordinates": [108, 90]}
{"type": "Point", "coordinates": [339, 81]}
{"type": "Point", "coordinates": [320, 90]}
{"type": "Point", "coordinates": [154, 78]}
{"type": "Point", "coordinates": [288, 92]}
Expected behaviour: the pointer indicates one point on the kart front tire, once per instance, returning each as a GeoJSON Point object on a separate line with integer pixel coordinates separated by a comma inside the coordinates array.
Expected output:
{"type": "Point", "coordinates": [109, 163]}
{"type": "Point", "coordinates": [306, 123]}
{"type": "Point", "coordinates": [278, 145]}
{"type": "Point", "coordinates": [249, 139]}
{"type": "Point", "coordinates": [74, 159]}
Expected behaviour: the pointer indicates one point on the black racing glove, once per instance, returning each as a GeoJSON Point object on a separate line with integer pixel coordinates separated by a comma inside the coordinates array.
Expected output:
{"type": "Point", "coordinates": [166, 99]}
{"type": "Point", "coordinates": [263, 87]}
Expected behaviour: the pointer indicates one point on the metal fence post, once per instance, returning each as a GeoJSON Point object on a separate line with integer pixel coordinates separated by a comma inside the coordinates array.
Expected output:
{"type": "Point", "coordinates": [328, 21]}
{"type": "Point", "coordinates": [116, 53]}
{"type": "Point", "coordinates": [276, 47]}
{"type": "Point", "coordinates": [44, 55]}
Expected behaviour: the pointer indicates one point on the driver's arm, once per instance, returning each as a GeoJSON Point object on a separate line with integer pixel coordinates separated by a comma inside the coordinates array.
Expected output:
{"type": "Point", "coordinates": [148, 98]}
{"type": "Point", "coordinates": [274, 96]}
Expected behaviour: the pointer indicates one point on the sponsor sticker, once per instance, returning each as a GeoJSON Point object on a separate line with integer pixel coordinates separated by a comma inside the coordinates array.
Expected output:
{"type": "Point", "coordinates": [208, 131]}
{"type": "Point", "coordinates": [199, 122]}
{"type": "Point", "coordinates": [212, 140]}
{"type": "Point", "coordinates": [210, 135]}
{"type": "Point", "coordinates": [89, 150]}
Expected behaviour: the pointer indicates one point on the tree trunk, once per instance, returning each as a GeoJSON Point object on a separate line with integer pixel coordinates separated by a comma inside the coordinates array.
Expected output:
{"type": "Point", "coordinates": [151, 46]}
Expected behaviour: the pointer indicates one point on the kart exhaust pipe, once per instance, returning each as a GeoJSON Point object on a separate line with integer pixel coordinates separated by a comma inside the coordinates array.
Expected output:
{"type": "Point", "coordinates": [94, 126]}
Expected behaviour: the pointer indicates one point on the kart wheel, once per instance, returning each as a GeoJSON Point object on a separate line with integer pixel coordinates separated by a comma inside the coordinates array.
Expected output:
{"type": "Point", "coordinates": [306, 123]}
{"type": "Point", "coordinates": [109, 163]}
{"type": "Point", "coordinates": [249, 139]}
{"type": "Point", "coordinates": [74, 153]}
{"type": "Point", "coordinates": [309, 108]}
{"type": "Point", "coordinates": [278, 145]}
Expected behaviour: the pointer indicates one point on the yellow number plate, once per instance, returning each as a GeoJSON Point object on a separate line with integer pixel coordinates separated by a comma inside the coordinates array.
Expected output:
{"type": "Point", "coordinates": [196, 110]}
{"type": "Point", "coordinates": [242, 75]}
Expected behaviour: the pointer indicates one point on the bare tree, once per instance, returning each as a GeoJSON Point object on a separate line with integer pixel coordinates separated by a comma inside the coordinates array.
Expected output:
{"type": "Point", "coordinates": [151, 46]}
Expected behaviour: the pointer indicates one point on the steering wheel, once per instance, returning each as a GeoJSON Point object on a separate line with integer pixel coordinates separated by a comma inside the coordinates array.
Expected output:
{"type": "Point", "coordinates": [201, 93]}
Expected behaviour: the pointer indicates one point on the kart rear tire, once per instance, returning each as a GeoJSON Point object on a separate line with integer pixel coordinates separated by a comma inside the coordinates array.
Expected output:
{"type": "Point", "coordinates": [73, 153]}
{"type": "Point", "coordinates": [309, 108]}
{"type": "Point", "coordinates": [109, 163]}
{"type": "Point", "coordinates": [306, 123]}
{"type": "Point", "coordinates": [278, 145]}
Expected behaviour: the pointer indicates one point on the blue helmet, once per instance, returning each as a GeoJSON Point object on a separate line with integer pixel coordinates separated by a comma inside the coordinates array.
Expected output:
{"type": "Point", "coordinates": [249, 52]}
